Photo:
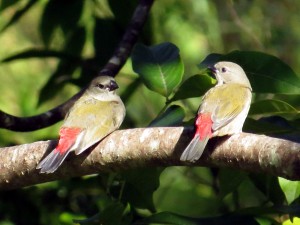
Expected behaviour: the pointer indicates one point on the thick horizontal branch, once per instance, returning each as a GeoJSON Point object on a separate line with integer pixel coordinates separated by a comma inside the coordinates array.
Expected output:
{"type": "Point", "coordinates": [145, 147]}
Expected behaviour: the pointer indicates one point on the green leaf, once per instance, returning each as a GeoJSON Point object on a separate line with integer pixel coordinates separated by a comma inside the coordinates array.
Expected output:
{"type": "Point", "coordinates": [267, 73]}
{"type": "Point", "coordinates": [64, 14]}
{"type": "Point", "coordinates": [271, 107]}
{"type": "Point", "coordinates": [194, 86]}
{"type": "Point", "coordinates": [175, 219]}
{"type": "Point", "coordinates": [18, 14]}
{"type": "Point", "coordinates": [66, 68]}
{"type": "Point", "coordinates": [236, 178]}
{"type": "Point", "coordinates": [291, 189]}
{"type": "Point", "coordinates": [123, 10]}
{"type": "Point", "coordinates": [106, 38]}
{"type": "Point", "coordinates": [75, 41]}
{"type": "Point", "coordinates": [173, 116]}
{"type": "Point", "coordinates": [269, 125]}
{"type": "Point", "coordinates": [4, 4]}
{"type": "Point", "coordinates": [111, 215]}
{"type": "Point", "coordinates": [159, 67]}
{"type": "Point", "coordinates": [269, 186]}
{"type": "Point", "coordinates": [57, 81]}
{"type": "Point", "coordinates": [140, 185]}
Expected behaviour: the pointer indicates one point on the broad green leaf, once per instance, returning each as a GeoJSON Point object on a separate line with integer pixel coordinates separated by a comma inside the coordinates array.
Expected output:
{"type": "Point", "coordinates": [291, 189]}
{"type": "Point", "coordinates": [159, 67]}
{"type": "Point", "coordinates": [140, 185]}
{"type": "Point", "coordinates": [194, 86]}
{"type": "Point", "coordinates": [271, 107]}
{"type": "Point", "coordinates": [173, 116]}
{"type": "Point", "coordinates": [267, 73]}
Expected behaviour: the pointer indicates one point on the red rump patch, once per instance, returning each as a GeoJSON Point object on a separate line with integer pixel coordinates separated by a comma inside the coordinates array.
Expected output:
{"type": "Point", "coordinates": [67, 137]}
{"type": "Point", "coordinates": [203, 125]}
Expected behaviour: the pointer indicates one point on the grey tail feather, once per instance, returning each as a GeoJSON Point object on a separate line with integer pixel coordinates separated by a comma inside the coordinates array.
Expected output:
{"type": "Point", "coordinates": [194, 150]}
{"type": "Point", "coordinates": [52, 162]}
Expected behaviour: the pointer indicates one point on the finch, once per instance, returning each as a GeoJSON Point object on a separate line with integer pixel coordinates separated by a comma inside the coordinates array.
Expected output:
{"type": "Point", "coordinates": [97, 113]}
{"type": "Point", "coordinates": [223, 110]}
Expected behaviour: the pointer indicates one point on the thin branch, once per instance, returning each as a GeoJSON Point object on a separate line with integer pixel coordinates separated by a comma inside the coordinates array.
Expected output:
{"type": "Point", "coordinates": [112, 67]}
{"type": "Point", "coordinates": [145, 147]}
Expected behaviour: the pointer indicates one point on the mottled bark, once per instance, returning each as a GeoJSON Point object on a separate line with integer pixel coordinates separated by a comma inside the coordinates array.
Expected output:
{"type": "Point", "coordinates": [145, 147]}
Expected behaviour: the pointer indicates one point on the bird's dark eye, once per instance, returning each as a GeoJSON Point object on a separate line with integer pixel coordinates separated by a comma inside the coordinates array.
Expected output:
{"type": "Point", "coordinates": [223, 70]}
{"type": "Point", "coordinates": [101, 86]}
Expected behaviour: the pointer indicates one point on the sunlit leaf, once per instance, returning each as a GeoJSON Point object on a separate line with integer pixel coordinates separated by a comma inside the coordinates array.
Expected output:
{"type": "Point", "coordinates": [291, 189]}
{"type": "Point", "coordinates": [267, 73]}
{"type": "Point", "coordinates": [159, 67]}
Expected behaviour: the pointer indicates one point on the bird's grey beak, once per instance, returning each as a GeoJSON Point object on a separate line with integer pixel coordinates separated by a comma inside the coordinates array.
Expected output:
{"type": "Point", "coordinates": [113, 85]}
{"type": "Point", "coordinates": [213, 71]}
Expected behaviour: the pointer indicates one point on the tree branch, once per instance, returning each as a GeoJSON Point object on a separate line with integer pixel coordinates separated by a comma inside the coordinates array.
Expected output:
{"type": "Point", "coordinates": [112, 67]}
{"type": "Point", "coordinates": [145, 147]}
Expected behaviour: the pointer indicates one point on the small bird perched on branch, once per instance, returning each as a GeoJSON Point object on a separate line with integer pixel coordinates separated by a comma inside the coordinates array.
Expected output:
{"type": "Point", "coordinates": [97, 113]}
{"type": "Point", "coordinates": [223, 110]}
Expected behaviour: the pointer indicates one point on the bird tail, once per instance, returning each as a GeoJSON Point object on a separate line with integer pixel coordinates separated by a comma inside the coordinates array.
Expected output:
{"type": "Point", "coordinates": [195, 149]}
{"type": "Point", "coordinates": [52, 161]}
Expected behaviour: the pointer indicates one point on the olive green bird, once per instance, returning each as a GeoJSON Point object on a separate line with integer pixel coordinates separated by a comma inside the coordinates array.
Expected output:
{"type": "Point", "coordinates": [223, 110]}
{"type": "Point", "coordinates": [97, 113]}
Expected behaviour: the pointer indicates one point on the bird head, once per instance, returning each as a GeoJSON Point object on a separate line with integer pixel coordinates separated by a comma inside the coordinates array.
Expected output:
{"type": "Point", "coordinates": [104, 84]}
{"type": "Point", "coordinates": [229, 72]}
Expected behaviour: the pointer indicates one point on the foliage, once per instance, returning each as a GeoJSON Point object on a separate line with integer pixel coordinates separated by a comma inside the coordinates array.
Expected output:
{"type": "Point", "coordinates": [50, 49]}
